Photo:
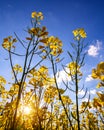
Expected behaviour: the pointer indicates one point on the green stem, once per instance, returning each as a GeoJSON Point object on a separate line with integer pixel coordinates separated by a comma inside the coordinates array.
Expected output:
{"type": "Point", "coordinates": [54, 73]}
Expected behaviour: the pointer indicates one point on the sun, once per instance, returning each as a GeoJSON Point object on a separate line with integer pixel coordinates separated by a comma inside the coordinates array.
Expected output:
{"type": "Point", "coordinates": [27, 110]}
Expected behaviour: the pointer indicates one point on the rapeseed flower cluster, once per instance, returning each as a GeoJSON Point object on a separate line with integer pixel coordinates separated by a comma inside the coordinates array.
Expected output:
{"type": "Point", "coordinates": [79, 33]}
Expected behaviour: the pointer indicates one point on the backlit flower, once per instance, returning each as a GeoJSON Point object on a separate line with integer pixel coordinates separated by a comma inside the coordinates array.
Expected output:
{"type": "Point", "coordinates": [37, 15]}
{"type": "Point", "coordinates": [79, 33]}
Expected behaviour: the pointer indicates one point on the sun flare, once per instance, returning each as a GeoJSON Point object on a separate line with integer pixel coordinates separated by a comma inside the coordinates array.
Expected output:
{"type": "Point", "coordinates": [27, 110]}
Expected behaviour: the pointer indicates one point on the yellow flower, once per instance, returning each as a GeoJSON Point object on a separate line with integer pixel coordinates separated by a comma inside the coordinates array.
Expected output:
{"type": "Point", "coordinates": [98, 73]}
{"type": "Point", "coordinates": [100, 67]}
{"type": "Point", "coordinates": [72, 68]}
{"type": "Point", "coordinates": [39, 32]}
{"type": "Point", "coordinates": [94, 74]}
{"type": "Point", "coordinates": [98, 85]}
{"type": "Point", "coordinates": [34, 31]}
{"type": "Point", "coordinates": [17, 68]}
{"type": "Point", "coordinates": [2, 80]}
{"type": "Point", "coordinates": [79, 33]}
{"type": "Point", "coordinates": [40, 15]}
{"type": "Point", "coordinates": [66, 99]}
{"type": "Point", "coordinates": [82, 33]}
{"type": "Point", "coordinates": [37, 15]}
{"type": "Point", "coordinates": [101, 96]}
{"type": "Point", "coordinates": [75, 33]}
{"type": "Point", "coordinates": [55, 45]}
{"type": "Point", "coordinates": [43, 69]}
{"type": "Point", "coordinates": [34, 14]}
{"type": "Point", "coordinates": [50, 94]}
{"type": "Point", "coordinates": [8, 42]}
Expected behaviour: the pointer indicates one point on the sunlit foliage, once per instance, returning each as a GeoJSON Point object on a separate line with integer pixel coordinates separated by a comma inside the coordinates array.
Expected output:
{"type": "Point", "coordinates": [98, 73]}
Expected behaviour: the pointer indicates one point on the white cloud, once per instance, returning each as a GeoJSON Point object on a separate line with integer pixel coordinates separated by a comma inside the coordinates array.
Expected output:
{"type": "Point", "coordinates": [88, 78]}
{"type": "Point", "coordinates": [81, 92]}
{"type": "Point", "coordinates": [94, 50]}
{"type": "Point", "coordinates": [62, 76]}
{"type": "Point", "coordinates": [93, 91]}
{"type": "Point", "coordinates": [85, 100]}
{"type": "Point", "coordinates": [92, 109]}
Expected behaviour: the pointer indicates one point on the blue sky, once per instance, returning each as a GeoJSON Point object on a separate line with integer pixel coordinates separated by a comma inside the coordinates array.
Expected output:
{"type": "Point", "coordinates": [61, 17]}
